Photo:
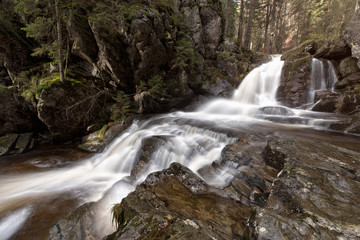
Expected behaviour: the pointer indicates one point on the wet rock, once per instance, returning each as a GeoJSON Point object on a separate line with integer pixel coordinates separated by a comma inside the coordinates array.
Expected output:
{"type": "Point", "coordinates": [280, 111]}
{"type": "Point", "coordinates": [334, 49]}
{"type": "Point", "coordinates": [315, 194]}
{"type": "Point", "coordinates": [349, 125]}
{"type": "Point", "coordinates": [74, 226]}
{"type": "Point", "coordinates": [98, 140]}
{"type": "Point", "coordinates": [149, 145]}
{"type": "Point", "coordinates": [295, 79]}
{"type": "Point", "coordinates": [163, 207]}
{"type": "Point", "coordinates": [348, 66]}
{"type": "Point", "coordinates": [352, 36]}
{"type": "Point", "coordinates": [327, 103]}
{"type": "Point", "coordinates": [322, 93]}
{"type": "Point", "coordinates": [24, 142]}
{"type": "Point", "coordinates": [7, 142]}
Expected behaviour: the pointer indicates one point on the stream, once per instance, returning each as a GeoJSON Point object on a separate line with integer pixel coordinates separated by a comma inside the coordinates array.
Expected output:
{"type": "Point", "coordinates": [37, 188]}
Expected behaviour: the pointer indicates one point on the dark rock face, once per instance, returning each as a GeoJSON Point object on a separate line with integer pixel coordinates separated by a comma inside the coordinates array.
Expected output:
{"type": "Point", "coordinates": [335, 49]}
{"type": "Point", "coordinates": [352, 36]}
{"type": "Point", "coordinates": [295, 79]}
{"type": "Point", "coordinates": [15, 116]}
{"type": "Point", "coordinates": [68, 110]}
{"type": "Point", "coordinates": [314, 194]}
{"type": "Point", "coordinates": [349, 82]}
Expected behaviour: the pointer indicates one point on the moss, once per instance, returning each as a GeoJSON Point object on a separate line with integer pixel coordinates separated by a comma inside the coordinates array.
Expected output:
{"type": "Point", "coordinates": [102, 131]}
{"type": "Point", "coordinates": [54, 80]}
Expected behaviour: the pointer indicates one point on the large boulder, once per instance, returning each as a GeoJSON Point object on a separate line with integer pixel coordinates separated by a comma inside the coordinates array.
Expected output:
{"type": "Point", "coordinates": [295, 79]}
{"type": "Point", "coordinates": [334, 49]}
{"type": "Point", "coordinates": [163, 207]}
{"type": "Point", "coordinates": [68, 109]}
{"type": "Point", "coordinates": [348, 66]}
{"type": "Point", "coordinates": [352, 35]}
{"type": "Point", "coordinates": [15, 116]}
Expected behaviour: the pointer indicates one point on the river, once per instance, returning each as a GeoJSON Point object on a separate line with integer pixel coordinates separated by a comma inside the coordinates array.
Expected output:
{"type": "Point", "coordinates": [39, 187]}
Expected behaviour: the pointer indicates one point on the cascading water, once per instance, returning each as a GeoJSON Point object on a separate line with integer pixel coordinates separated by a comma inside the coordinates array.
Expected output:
{"type": "Point", "coordinates": [194, 139]}
{"type": "Point", "coordinates": [260, 85]}
{"type": "Point", "coordinates": [323, 77]}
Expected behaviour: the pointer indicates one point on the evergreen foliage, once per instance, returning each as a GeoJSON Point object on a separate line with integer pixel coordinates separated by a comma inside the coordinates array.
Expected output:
{"type": "Point", "coordinates": [122, 108]}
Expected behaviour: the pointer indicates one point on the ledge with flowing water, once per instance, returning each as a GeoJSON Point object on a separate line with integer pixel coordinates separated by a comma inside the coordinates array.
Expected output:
{"type": "Point", "coordinates": [221, 143]}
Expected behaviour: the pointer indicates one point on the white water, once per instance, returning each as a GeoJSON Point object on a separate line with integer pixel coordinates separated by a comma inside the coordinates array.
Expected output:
{"type": "Point", "coordinates": [323, 77]}
{"type": "Point", "coordinates": [103, 178]}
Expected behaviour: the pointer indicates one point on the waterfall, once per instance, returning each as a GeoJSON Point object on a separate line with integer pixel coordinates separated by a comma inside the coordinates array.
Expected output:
{"type": "Point", "coordinates": [260, 85]}
{"type": "Point", "coordinates": [194, 139]}
{"type": "Point", "coordinates": [323, 77]}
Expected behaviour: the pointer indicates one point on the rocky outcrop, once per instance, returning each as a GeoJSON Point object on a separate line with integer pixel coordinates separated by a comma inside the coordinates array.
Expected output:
{"type": "Point", "coordinates": [163, 207]}
{"type": "Point", "coordinates": [295, 77]}
{"type": "Point", "coordinates": [15, 116]}
{"type": "Point", "coordinates": [314, 195]}
{"type": "Point", "coordinates": [67, 110]}
{"type": "Point", "coordinates": [348, 66]}
{"type": "Point", "coordinates": [72, 226]}
{"type": "Point", "coordinates": [98, 140]}
{"type": "Point", "coordinates": [335, 49]}
{"type": "Point", "coordinates": [352, 36]}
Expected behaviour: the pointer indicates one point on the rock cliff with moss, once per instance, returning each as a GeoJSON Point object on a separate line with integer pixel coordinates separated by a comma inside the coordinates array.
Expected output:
{"type": "Point", "coordinates": [343, 53]}
{"type": "Point", "coordinates": [123, 57]}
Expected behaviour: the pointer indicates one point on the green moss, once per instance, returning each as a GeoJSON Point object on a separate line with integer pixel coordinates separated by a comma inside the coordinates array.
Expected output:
{"type": "Point", "coordinates": [48, 82]}
{"type": "Point", "coordinates": [156, 84]}
{"type": "Point", "coordinates": [102, 131]}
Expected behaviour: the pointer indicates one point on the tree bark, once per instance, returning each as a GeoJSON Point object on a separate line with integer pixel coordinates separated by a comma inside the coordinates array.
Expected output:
{"type": "Point", "coordinates": [267, 22]}
{"type": "Point", "coordinates": [59, 41]}
{"type": "Point", "coordinates": [241, 24]}
{"type": "Point", "coordinates": [229, 8]}
{"type": "Point", "coordinates": [247, 42]}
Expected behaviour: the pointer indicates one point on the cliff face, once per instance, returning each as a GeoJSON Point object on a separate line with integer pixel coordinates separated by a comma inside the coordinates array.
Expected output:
{"type": "Point", "coordinates": [343, 53]}
{"type": "Point", "coordinates": [155, 55]}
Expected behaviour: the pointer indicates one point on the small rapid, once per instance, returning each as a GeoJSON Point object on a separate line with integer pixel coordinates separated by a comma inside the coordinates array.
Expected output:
{"type": "Point", "coordinates": [194, 139]}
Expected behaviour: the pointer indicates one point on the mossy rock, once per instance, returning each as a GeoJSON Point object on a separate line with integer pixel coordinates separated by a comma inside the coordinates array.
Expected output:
{"type": "Point", "coordinates": [7, 142]}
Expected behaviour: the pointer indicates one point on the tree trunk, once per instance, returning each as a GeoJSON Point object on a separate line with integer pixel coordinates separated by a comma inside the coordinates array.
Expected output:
{"type": "Point", "coordinates": [59, 41]}
{"type": "Point", "coordinates": [241, 24]}
{"type": "Point", "coordinates": [229, 8]}
{"type": "Point", "coordinates": [247, 42]}
{"type": "Point", "coordinates": [267, 22]}
{"type": "Point", "coordinates": [272, 26]}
